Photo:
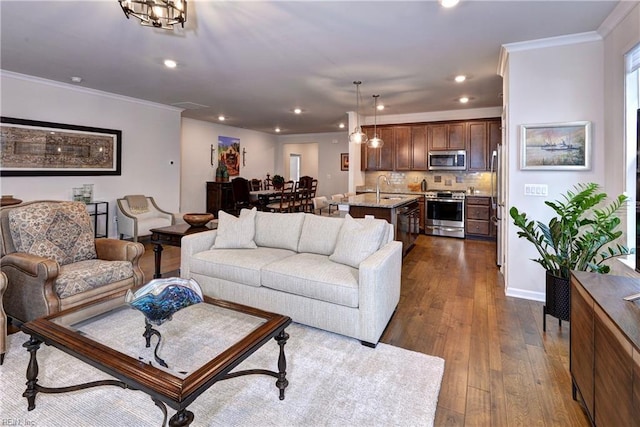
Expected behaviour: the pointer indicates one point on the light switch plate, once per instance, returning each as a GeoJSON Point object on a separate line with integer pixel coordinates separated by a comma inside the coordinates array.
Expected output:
{"type": "Point", "coordinates": [540, 190]}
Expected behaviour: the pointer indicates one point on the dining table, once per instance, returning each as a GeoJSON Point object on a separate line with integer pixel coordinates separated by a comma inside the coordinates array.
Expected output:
{"type": "Point", "coordinates": [261, 198]}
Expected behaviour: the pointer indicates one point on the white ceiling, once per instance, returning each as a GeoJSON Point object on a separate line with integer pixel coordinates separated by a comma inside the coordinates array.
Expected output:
{"type": "Point", "coordinates": [255, 61]}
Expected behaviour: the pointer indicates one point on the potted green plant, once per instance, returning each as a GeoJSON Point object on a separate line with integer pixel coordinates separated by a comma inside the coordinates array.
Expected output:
{"type": "Point", "coordinates": [277, 181]}
{"type": "Point", "coordinates": [580, 237]}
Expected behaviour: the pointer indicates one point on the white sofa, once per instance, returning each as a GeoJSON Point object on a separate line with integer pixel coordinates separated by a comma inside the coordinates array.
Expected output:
{"type": "Point", "coordinates": [337, 274]}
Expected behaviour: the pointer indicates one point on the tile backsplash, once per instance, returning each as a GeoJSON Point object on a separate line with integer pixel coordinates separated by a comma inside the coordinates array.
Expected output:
{"type": "Point", "coordinates": [459, 181]}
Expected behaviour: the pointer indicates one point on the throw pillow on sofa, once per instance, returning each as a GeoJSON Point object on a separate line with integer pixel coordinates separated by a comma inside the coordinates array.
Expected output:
{"type": "Point", "coordinates": [358, 239]}
{"type": "Point", "coordinates": [236, 232]}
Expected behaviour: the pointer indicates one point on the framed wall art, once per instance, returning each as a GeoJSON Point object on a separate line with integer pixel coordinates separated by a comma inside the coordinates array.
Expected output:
{"type": "Point", "coordinates": [229, 154]}
{"type": "Point", "coordinates": [344, 161]}
{"type": "Point", "coordinates": [34, 148]}
{"type": "Point", "coordinates": [556, 146]}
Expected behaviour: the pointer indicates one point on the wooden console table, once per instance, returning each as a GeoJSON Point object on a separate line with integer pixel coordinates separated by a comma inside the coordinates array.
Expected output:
{"type": "Point", "coordinates": [605, 347]}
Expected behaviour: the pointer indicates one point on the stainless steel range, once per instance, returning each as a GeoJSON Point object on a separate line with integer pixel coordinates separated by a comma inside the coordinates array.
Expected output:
{"type": "Point", "coordinates": [444, 213]}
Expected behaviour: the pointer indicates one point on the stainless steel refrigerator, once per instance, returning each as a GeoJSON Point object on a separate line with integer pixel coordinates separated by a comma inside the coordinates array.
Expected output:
{"type": "Point", "coordinates": [497, 200]}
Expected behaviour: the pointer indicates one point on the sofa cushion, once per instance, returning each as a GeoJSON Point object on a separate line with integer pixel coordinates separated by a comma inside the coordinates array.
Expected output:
{"type": "Point", "coordinates": [313, 276]}
{"type": "Point", "coordinates": [358, 239]}
{"type": "Point", "coordinates": [278, 230]}
{"type": "Point", "coordinates": [236, 232]}
{"type": "Point", "coordinates": [236, 265]}
{"type": "Point", "coordinates": [85, 275]}
{"type": "Point", "coordinates": [61, 231]}
{"type": "Point", "coordinates": [319, 234]}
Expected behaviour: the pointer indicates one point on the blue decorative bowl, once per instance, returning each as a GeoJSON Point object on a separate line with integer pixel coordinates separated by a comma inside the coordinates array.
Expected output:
{"type": "Point", "coordinates": [160, 298]}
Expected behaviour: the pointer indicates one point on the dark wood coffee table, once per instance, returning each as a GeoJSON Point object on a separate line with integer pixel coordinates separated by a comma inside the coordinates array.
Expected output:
{"type": "Point", "coordinates": [172, 235]}
{"type": "Point", "coordinates": [201, 345]}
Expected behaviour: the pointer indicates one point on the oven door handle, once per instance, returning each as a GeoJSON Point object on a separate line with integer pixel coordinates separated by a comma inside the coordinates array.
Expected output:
{"type": "Point", "coordinates": [446, 200]}
{"type": "Point", "coordinates": [440, 227]}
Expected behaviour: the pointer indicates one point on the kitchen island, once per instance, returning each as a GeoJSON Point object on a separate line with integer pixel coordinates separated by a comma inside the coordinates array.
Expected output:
{"type": "Point", "coordinates": [401, 210]}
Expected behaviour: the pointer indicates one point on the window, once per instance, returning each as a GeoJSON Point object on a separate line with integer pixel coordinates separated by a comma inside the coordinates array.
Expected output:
{"type": "Point", "coordinates": [632, 136]}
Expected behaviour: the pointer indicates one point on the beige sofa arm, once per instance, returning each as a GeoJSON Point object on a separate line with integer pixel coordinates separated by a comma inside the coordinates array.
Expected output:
{"type": "Point", "coordinates": [192, 244]}
{"type": "Point", "coordinates": [379, 292]}
{"type": "Point", "coordinates": [30, 279]}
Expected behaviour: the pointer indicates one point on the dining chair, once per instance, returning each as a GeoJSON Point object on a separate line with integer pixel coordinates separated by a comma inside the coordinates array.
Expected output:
{"type": "Point", "coordinates": [286, 200]}
{"type": "Point", "coordinates": [256, 184]}
{"type": "Point", "coordinates": [241, 197]}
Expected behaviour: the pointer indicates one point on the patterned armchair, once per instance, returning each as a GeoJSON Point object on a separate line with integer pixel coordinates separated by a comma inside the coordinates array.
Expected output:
{"type": "Point", "coordinates": [53, 262]}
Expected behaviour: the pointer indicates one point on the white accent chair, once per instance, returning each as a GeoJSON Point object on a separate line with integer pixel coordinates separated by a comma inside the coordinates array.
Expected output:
{"type": "Point", "coordinates": [137, 215]}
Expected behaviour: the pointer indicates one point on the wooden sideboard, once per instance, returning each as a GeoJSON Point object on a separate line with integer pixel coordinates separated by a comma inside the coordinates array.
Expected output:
{"type": "Point", "coordinates": [219, 197]}
{"type": "Point", "coordinates": [605, 347]}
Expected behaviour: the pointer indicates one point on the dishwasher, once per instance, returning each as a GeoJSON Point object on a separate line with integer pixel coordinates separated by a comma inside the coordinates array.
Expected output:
{"type": "Point", "coordinates": [408, 226]}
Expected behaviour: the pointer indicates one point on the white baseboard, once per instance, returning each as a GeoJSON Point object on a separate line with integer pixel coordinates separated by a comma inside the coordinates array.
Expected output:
{"type": "Point", "coordinates": [525, 294]}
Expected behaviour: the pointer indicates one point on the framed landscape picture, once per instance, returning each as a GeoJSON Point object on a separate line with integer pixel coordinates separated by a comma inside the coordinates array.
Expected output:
{"type": "Point", "coordinates": [556, 146]}
{"type": "Point", "coordinates": [34, 148]}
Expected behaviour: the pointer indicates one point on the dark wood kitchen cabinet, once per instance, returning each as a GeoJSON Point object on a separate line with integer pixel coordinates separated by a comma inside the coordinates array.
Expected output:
{"type": "Point", "coordinates": [604, 347]}
{"type": "Point", "coordinates": [484, 137]}
{"type": "Point", "coordinates": [219, 197]}
{"type": "Point", "coordinates": [419, 148]}
{"type": "Point", "coordinates": [404, 154]}
{"type": "Point", "coordinates": [379, 159]}
{"type": "Point", "coordinates": [478, 222]}
{"type": "Point", "coordinates": [447, 136]}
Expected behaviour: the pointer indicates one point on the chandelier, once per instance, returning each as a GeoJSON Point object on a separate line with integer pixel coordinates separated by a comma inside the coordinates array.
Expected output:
{"type": "Point", "coordinates": [156, 13]}
{"type": "Point", "coordinates": [375, 142]}
{"type": "Point", "coordinates": [357, 136]}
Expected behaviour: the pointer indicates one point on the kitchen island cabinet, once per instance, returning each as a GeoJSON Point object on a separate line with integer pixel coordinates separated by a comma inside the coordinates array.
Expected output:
{"type": "Point", "coordinates": [402, 211]}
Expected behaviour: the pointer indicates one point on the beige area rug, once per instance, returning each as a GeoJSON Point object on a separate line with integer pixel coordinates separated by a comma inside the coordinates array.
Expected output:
{"type": "Point", "coordinates": [333, 381]}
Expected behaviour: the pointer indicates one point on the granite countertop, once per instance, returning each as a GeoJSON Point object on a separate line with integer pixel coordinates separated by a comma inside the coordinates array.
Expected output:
{"type": "Point", "coordinates": [387, 200]}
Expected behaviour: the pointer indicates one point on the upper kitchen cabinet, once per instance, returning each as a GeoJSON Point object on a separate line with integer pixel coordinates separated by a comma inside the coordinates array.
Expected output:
{"type": "Point", "coordinates": [447, 136]}
{"type": "Point", "coordinates": [404, 154]}
{"type": "Point", "coordinates": [484, 136]}
{"type": "Point", "coordinates": [379, 159]}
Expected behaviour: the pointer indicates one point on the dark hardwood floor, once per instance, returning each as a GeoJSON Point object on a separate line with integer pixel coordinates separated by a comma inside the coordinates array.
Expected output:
{"type": "Point", "coordinates": [500, 368]}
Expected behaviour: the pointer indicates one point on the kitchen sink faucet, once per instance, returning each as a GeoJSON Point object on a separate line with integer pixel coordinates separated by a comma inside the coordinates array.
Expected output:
{"type": "Point", "coordinates": [378, 185]}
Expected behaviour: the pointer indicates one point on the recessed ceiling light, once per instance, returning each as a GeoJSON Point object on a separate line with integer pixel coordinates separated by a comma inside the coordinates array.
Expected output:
{"type": "Point", "coordinates": [221, 118]}
{"type": "Point", "coordinates": [170, 63]}
{"type": "Point", "coordinates": [341, 125]}
{"type": "Point", "coordinates": [76, 79]}
{"type": "Point", "coordinates": [449, 3]}
{"type": "Point", "coordinates": [297, 110]}
{"type": "Point", "coordinates": [460, 78]}
{"type": "Point", "coordinates": [277, 129]}
{"type": "Point", "coordinates": [464, 100]}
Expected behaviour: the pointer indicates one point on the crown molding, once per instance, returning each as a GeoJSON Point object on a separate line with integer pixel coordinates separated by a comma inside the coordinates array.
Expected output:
{"type": "Point", "coordinates": [68, 86]}
{"type": "Point", "coordinates": [590, 36]}
{"type": "Point", "coordinates": [620, 12]}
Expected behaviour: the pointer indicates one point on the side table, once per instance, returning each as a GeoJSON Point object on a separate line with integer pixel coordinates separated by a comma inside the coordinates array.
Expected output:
{"type": "Point", "coordinates": [96, 211]}
{"type": "Point", "coordinates": [172, 236]}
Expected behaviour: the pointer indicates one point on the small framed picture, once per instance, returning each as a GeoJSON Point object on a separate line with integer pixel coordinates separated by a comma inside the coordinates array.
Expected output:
{"type": "Point", "coordinates": [556, 146]}
{"type": "Point", "coordinates": [344, 161]}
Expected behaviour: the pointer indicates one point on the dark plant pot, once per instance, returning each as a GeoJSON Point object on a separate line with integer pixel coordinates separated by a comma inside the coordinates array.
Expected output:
{"type": "Point", "coordinates": [278, 186]}
{"type": "Point", "coordinates": [558, 298]}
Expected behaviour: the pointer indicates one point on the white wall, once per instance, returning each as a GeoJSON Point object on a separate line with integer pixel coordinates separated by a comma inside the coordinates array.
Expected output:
{"type": "Point", "coordinates": [550, 83]}
{"type": "Point", "coordinates": [617, 43]}
{"type": "Point", "coordinates": [197, 138]}
{"type": "Point", "coordinates": [150, 141]}
{"type": "Point", "coordinates": [331, 179]}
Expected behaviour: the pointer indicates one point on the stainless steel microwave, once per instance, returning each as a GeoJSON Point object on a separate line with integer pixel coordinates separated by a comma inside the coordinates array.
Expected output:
{"type": "Point", "coordinates": [447, 160]}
